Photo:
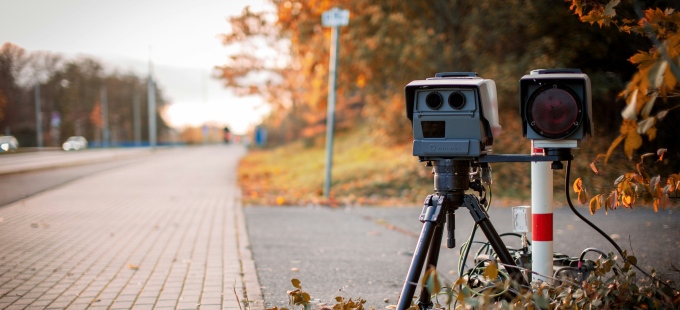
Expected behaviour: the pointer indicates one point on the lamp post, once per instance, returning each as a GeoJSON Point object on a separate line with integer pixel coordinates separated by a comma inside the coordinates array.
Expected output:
{"type": "Point", "coordinates": [333, 18]}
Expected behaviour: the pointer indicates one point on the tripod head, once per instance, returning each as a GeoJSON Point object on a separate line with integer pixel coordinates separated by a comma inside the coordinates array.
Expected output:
{"type": "Point", "coordinates": [453, 177]}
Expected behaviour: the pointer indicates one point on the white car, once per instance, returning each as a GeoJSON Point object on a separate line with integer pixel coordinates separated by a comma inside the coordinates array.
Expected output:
{"type": "Point", "coordinates": [8, 144]}
{"type": "Point", "coordinates": [75, 143]}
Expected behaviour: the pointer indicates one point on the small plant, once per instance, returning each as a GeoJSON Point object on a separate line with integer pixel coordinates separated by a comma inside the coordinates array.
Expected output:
{"type": "Point", "coordinates": [298, 297]}
{"type": "Point", "coordinates": [607, 286]}
{"type": "Point", "coordinates": [630, 186]}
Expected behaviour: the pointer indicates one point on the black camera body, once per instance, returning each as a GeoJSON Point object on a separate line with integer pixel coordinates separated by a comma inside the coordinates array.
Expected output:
{"type": "Point", "coordinates": [556, 107]}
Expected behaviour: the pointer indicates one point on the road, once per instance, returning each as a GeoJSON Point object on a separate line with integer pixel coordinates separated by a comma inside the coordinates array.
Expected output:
{"type": "Point", "coordinates": [365, 251]}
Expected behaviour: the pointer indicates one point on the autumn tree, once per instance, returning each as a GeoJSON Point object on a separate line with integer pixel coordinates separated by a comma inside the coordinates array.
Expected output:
{"type": "Point", "coordinates": [651, 105]}
{"type": "Point", "coordinates": [285, 50]}
{"type": "Point", "coordinates": [69, 88]}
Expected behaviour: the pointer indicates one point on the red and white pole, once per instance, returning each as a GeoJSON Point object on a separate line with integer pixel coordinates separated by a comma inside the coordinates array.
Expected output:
{"type": "Point", "coordinates": [542, 217]}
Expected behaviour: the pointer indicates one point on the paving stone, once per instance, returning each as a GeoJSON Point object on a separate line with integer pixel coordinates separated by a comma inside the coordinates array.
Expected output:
{"type": "Point", "coordinates": [156, 233]}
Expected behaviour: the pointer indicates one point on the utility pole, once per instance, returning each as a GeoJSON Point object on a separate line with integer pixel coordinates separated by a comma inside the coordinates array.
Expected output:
{"type": "Point", "coordinates": [105, 117]}
{"type": "Point", "coordinates": [38, 116]}
{"type": "Point", "coordinates": [151, 90]}
{"type": "Point", "coordinates": [136, 119]}
{"type": "Point", "coordinates": [333, 18]}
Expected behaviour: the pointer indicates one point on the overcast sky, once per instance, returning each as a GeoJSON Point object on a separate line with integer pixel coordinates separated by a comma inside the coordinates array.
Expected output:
{"type": "Point", "coordinates": [180, 35]}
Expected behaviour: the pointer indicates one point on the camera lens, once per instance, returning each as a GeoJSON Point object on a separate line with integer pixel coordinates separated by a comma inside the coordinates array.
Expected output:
{"type": "Point", "coordinates": [434, 100]}
{"type": "Point", "coordinates": [457, 100]}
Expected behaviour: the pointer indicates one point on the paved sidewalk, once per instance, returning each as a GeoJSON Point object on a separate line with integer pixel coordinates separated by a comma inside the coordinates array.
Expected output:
{"type": "Point", "coordinates": [165, 233]}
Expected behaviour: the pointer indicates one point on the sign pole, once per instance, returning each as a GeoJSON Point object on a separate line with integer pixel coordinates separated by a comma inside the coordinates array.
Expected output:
{"type": "Point", "coordinates": [333, 18]}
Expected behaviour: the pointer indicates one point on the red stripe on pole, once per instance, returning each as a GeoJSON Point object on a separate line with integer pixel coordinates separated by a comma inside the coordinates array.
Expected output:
{"type": "Point", "coordinates": [542, 225]}
{"type": "Point", "coordinates": [536, 151]}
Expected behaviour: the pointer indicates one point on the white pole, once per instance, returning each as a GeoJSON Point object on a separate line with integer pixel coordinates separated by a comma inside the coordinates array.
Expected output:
{"type": "Point", "coordinates": [542, 217]}
{"type": "Point", "coordinates": [332, 76]}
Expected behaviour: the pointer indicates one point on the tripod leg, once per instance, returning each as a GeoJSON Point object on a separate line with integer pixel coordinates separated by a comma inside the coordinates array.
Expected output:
{"type": "Point", "coordinates": [431, 218]}
{"type": "Point", "coordinates": [416, 266]}
{"type": "Point", "coordinates": [424, 301]}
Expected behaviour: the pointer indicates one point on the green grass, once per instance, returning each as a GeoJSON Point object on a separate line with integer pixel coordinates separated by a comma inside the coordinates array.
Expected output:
{"type": "Point", "coordinates": [365, 172]}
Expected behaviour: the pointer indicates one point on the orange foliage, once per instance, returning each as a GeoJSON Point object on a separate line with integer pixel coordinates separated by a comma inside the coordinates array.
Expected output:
{"type": "Point", "coordinates": [96, 115]}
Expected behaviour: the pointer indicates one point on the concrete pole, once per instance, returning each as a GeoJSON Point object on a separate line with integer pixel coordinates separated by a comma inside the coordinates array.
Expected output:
{"type": "Point", "coordinates": [136, 118]}
{"type": "Point", "coordinates": [332, 77]}
{"type": "Point", "coordinates": [152, 111]}
{"type": "Point", "coordinates": [105, 118]}
{"type": "Point", "coordinates": [542, 217]}
{"type": "Point", "coordinates": [38, 117]}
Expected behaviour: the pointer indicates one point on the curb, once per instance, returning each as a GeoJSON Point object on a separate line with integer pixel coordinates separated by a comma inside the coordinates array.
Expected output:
{"type": "Point", "coordinates": [253, 294]}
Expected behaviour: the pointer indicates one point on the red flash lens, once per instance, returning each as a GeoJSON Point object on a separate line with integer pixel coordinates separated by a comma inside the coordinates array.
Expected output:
{"type": "Point", "coordinates": [554, 112]}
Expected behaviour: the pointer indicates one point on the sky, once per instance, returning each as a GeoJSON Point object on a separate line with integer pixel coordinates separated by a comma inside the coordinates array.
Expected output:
{"type": "Point", "coordinates": [180, 36]}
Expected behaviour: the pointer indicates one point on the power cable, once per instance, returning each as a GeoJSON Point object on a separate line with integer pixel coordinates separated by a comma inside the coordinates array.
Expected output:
{"type": "Point", "coordinates": [616, 246]}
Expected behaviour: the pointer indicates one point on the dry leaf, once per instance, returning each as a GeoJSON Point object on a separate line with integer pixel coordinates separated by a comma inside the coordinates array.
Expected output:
{"type": "Point", "coordinates": [594, 168]}
{"type": "Point", "coordinates": [660, 153]}
{"type": "Point", "coordinates": [578, 185]}
{"type": "Point", "coordinates": [594, 204]}
{"type": "Point", "coordinates": [614, 200]}
{"type": "Point", "coordinates": [627, 200]}
{"type": "Point", "coordinates": [583, 196]}
{"type": "Point", "coordinates": [630, 111]}
{"type": "Point", "coordinates": [491, 271]}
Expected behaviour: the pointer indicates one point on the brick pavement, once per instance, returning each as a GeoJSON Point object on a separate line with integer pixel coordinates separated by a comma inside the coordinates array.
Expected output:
{"type": "Point", "coordinates": [164, 233]}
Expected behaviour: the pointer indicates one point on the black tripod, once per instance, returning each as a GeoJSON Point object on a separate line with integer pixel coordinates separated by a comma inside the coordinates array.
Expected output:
{"type": "Point", "coordinates": [451, 180]}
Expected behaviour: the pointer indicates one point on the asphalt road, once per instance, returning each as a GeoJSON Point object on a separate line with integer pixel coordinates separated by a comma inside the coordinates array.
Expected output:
{"type": "Point", "coordinates": [17, 186]}
{"type": "Point", "coordinates": [365, 252]}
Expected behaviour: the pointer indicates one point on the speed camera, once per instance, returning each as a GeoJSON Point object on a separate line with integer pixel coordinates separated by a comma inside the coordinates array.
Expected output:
{"type": "Point", "coordinates": [453, 115]}
{"type": "Point", "coordinates": [556, 107]}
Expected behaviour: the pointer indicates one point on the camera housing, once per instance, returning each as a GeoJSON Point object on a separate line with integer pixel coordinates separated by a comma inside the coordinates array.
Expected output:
{"type": "Point", "coordinates": [454, 114]}
{"type": "Point", "coordinates": [556, 107]}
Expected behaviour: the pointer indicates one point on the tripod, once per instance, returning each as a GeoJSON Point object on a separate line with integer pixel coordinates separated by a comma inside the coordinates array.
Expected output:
{"type": "Point", "coordinates": [451, 180]}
